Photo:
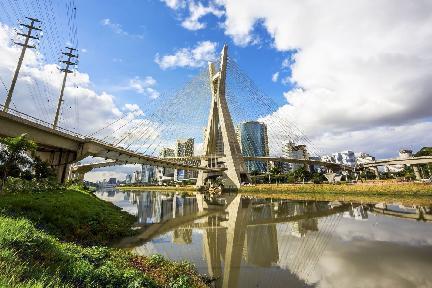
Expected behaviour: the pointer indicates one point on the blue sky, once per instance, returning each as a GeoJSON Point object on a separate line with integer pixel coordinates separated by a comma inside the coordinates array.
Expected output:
{"type": "Point", "coordinates": [359, 78]}
{"type": "Point", "coordinates": [112, 58]}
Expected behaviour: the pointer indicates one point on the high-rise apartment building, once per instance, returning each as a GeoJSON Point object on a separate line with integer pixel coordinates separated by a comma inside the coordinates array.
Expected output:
{"type": "Point", "coordinates": [185, 148]}
{"type": "Point", "coordinates": [290, 150]}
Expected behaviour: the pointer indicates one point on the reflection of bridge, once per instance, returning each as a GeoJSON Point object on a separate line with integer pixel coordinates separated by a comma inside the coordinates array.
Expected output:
{"type": "Point", "coordinates": [262, 232]}
{"type": "Point", "coordinates": [61, 148]}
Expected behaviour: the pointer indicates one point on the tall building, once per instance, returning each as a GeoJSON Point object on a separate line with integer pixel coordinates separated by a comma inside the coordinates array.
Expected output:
{"type": "Point", "coordinates": [163, 173]}
{"type": "Point", "coordinates": [253, 140]}
{"type": "Point", "coordinates": [184, 148]}
{"type": "Point", "coordinates": [148, 173]}
{"type": "Point", "coordinates": [290, 150]}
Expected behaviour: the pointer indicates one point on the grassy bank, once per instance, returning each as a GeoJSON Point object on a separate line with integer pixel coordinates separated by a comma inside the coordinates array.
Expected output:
{"type": "Point", "coordinates": [32, 258]}
{"type": "Point", "coordinates": [71, 215]}
{"type": "Point", "coordinates": [371, 192]}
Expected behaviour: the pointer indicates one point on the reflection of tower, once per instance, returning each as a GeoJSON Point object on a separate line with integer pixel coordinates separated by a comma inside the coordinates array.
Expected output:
{"type": "Point", "coordinates": [214, 244]}
{"type": "Point", "coordinates": [239, 213]}
{"type": "Point", "coordinates": [182, 236]}
{"type": "Point", "coordinates": [220, 119]}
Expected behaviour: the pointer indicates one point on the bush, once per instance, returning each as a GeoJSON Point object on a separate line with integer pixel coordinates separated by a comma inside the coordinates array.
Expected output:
{"type": "Point", "coordinates": [18, 185]}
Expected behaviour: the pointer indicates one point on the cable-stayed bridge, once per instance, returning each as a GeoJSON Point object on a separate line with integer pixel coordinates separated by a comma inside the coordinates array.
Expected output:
{"type": "Point", "coordinates": [221, 93]}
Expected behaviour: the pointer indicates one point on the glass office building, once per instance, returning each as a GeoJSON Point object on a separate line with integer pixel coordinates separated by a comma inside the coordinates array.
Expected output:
{"type": "Point", "coordinates": [253, 141]}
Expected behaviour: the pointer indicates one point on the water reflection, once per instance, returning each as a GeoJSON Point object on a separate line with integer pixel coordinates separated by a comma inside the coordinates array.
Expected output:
{"type": "Point", "coordinates": [248, 242]}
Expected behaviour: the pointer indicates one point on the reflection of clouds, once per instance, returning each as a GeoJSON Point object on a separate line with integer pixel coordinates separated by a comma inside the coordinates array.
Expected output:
{"type": "Point", "coordinates": [375, 264]}
{"type": "Point", "coordinates": [386, 228]}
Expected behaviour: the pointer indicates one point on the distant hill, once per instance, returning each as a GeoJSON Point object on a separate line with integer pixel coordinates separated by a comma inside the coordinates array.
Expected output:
{"type": "Point", "coordinates": [425, 151]}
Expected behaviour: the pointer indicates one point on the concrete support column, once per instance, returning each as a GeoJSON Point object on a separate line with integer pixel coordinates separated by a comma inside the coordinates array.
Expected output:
{"type": "Point", "coordinates": [375, 170]}
{"type": "Point", "coordinates": [417, 172]}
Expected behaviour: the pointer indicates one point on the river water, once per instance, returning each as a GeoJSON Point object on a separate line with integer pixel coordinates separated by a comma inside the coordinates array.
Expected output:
{"type": "Point", "coordinates": [251, 242]}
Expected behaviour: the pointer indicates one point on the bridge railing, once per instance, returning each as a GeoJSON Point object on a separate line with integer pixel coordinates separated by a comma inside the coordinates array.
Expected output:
{"type": "Point", "coordinates": [40, 122]}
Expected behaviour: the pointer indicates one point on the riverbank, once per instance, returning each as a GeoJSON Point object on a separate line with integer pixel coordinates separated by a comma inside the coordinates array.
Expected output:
{"type": "Point", "coordinates": [45, 240]}
{"type": "Point", "coordinates": [367, 192]}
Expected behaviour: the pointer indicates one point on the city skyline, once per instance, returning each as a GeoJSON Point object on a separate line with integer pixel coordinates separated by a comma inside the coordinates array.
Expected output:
{"type": "Point", "coordinates": [179, 41]}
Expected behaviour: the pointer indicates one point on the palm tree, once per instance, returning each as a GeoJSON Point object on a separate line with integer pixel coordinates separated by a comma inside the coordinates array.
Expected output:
{"type": "Point", "coordinates": [14, 155]}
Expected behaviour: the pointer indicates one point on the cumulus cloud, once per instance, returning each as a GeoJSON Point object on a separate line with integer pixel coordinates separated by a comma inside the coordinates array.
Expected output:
{"type": "Point", "coordinates": [175, 4]}
{"type": "Point", "coordinates": [189, 57]}
{"type": "Point", "coordinates": [38, 88]}
{"type": "Point", "coordinates": [356, 65]}
{"type": "Point", "coordinates": [373, 264]}
{"type": "Point", "coordinates": [192, 12]}
{"type": "Point", "coordinates": [143, 86]}
{"type": "Point", "coordinates": [197, 11]}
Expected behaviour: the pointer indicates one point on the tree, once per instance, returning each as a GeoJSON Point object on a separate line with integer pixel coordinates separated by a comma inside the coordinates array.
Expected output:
{"type": "Point", "coordinates": [425, 151]}
{"type": "Point", "coordinates": [42, 169]}
{"type": "Point", "coordinates": [301, 174]}
{"type": "Point", "coordinates": [14, 156]}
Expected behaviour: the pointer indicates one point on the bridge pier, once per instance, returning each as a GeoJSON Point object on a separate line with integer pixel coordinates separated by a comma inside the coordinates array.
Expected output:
{"type": "Point", "coordinates": [60, 161]}
{"type": "Point", "coordinates": [417, 172]}
{"type": "Point", "coordinates": [375, 170]}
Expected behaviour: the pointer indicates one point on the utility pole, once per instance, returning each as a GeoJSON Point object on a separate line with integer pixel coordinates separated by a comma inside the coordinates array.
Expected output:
{"type": "Point", "coordinates": [66, 71]}
{"type": "Point", "coordinates": [24, 45]}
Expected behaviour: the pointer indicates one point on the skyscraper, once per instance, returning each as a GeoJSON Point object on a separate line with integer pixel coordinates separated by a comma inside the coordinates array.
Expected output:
{"type": "Point", "coordinates": [184, 148]}
{"type": "Point", "coordinates": [162, 171]}
{"type": "Point", "coordinates": [253, 141]}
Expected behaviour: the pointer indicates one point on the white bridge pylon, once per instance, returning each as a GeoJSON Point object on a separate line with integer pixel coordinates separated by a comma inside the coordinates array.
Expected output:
{"type": "Point", "coordinates": [220, 129]}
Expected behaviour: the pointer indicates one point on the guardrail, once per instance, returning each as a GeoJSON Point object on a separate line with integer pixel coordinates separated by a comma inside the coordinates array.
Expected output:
{"type": "Point", "coordinates": [40, 122]}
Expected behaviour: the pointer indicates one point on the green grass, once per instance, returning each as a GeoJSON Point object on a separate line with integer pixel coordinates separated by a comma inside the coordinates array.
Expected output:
{"type": "Point", "coordinates": [32, 258]}
{"type": "Point", "coordinates": [371, 192]}
{"type": "Point", "coordinates": [71, 215]}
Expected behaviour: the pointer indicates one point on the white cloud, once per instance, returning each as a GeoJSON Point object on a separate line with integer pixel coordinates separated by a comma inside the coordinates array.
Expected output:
{"type": "Point", "coordinates": [134, 108]}
{"type": "Point", "coordinates": [275, 77]}
{"type": "Point", "coordinates": [118, 29]}
{"type": "Point", "coordinates": [38, 88]}
{"type": "Point", "coordinates": [358, 65]}
{"type": "Point", "coordinates": [118, 172]}
{"type": "Point", "coordinates": [189, 57]}
{"type": "Point", "coordinates": [143, 86]}
{"type": "Point", "coordinates": [84, 50]}
{"type": "Point", "coordinates": [175, 4]}
{"type": "Point", "coordinates": [197, 11]}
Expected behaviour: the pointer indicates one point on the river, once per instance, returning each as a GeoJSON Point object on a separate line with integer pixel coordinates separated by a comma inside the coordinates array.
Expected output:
{"type": "Point", "coordinates": [252, 242]}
